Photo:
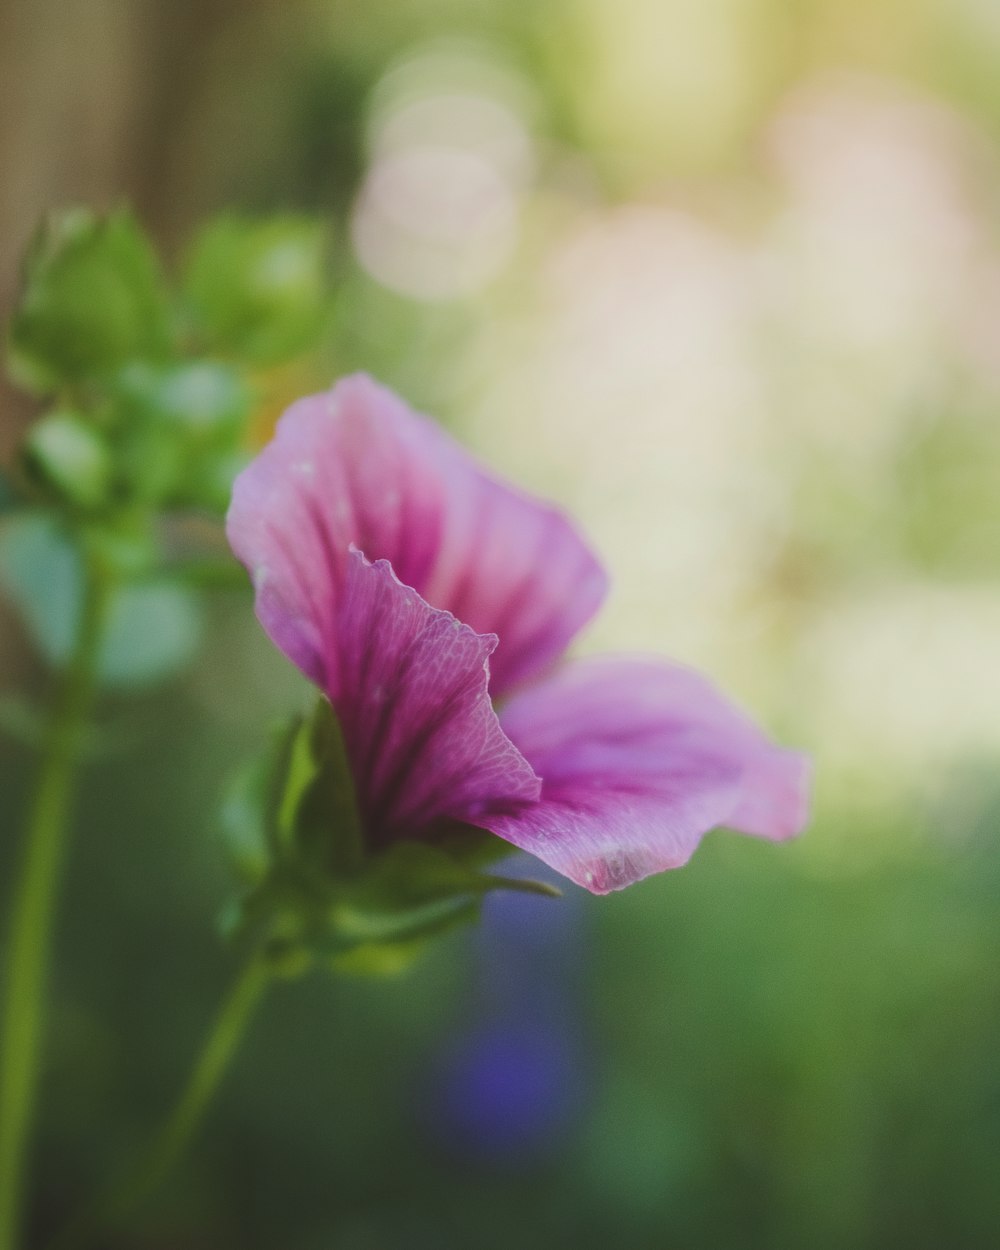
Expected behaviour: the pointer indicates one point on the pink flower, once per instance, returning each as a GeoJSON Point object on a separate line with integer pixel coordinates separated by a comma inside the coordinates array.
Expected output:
{"type": "Point", "coordinates": [417, 591]}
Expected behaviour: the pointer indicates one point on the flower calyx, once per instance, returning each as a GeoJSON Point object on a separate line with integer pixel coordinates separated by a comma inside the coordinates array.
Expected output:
{"type": "Point", "coordinates": [314, 890]}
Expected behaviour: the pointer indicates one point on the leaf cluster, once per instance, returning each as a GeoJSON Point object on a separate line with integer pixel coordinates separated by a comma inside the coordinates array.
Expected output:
{"type": "Point", "coordinates": [147, 389]}
{"type": "Point", "coordinates": [149, 385]}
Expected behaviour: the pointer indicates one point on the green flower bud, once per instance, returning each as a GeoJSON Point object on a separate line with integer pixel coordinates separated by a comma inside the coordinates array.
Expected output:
{"type": "Point", "coordinates": [257, 289]}
{"type": "Point", "coordinates": [92, 299]}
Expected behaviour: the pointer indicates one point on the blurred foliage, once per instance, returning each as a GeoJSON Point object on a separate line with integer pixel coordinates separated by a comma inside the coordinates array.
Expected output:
{"type": "Point", "coordinates": [159, 385]}
{"type": "Point", "coordinates": [771, 1049]}
{"type": "Point", "coordinates": [721, 276]}
{"type": "Point", "coordinates": [258, 290]}
{"type": "Point", "coordinates": [154, 393]}
{"type": "Point", "coordinates": [93, 299]}
{"type": "Point", "coordinates": [153, 626]}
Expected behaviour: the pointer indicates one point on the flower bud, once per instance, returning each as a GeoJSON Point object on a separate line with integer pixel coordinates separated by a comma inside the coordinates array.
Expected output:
{"type": "Point", "coordinates": [257, 289]}
{"type": "Point", "coordinates": [93, 298]}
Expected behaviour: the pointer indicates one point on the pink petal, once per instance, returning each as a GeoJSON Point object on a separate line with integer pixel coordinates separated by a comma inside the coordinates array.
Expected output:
{"type": "Point", "coordinates": [423, 740]}
{"type": "Point", "coordinates": [357, 467]}
{"type": "Point", "coordinates": [639, 759]}
{"type": "Point", "coordinates": [348, 467]}
{"type": "Point", "coordinates": [515, 567]}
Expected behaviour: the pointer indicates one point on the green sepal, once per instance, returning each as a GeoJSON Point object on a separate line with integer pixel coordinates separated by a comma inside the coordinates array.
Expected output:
{"type": "Point", "coordinates": [257, 289]}
{"type": "Point", "coordinates": [374, 920]}
{"type": "Point", "coordinates": [383, 959]}
{"type": "Point", "coordinates": [318, 821]}
{"type": "Point", "coordinates": [380, 915]}
{"type": "Point", "coordinates": [412, 888]}
{"type": "Point", "coordinates": [408, 891]}
{"type": "Point", "coordinates": [92, 299]}
{"type": "Point", "coordinates": [289, 817]}
{"type": "Point", "coordinates": [475, 848]}
{"type": "Point", "coordinates": [294, 838]}
{"type": "Point", "coordinates": [404, 897]}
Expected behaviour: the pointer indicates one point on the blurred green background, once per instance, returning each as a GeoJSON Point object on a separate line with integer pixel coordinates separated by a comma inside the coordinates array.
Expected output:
{"type": "Point", "coordinates": [723, 276]}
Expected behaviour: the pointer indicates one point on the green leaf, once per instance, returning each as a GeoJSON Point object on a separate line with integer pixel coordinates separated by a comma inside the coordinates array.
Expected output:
{"type": "Point", "coordinates": [67, 455]}
{"type": "Point", "coordinates": [521, 885]}
{"type": "Point", "coordinates": [92, 299]}
{"type": "Point", "coordinates": [153, 626]}
{"type": "Point", "coordinates": [257, 288]}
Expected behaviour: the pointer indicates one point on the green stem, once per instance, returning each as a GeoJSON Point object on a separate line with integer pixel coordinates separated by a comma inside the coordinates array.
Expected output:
{"type": "Point", "coordinates": [33, 903]}
{"type": "Point", "coordinates": [166, 1148]}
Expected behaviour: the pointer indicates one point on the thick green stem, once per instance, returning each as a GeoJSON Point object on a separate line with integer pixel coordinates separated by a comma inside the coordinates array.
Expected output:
{"type": "Point", "coordinates": [33, 902]}
{"type": "Point", "coordinates": [159, 1160]}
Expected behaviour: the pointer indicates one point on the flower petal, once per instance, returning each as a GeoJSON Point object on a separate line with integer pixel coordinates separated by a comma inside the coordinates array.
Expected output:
{"type": "Point", "coordinates": [639, 759]}
{"type": "Point", "coordinates": [512, 566]}
{"type": "Point", "coordinates": [420, 732]}
{"type": "Point", "coordinates": [357, 467]}
{"type": "Point", "coordinates": [348, 467]}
